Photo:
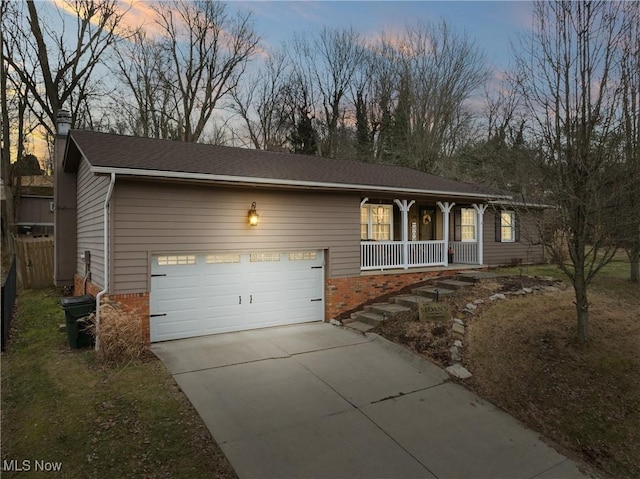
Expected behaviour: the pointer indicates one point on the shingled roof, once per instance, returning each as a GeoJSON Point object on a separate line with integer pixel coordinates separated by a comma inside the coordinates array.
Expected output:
{"type": "Point", "coordinates": [134, 156]}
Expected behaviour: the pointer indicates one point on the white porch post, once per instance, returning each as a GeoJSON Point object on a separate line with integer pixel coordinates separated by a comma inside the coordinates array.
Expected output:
{"type": "Point", "coordinates": [405, 206]}
{"type": "Point", "coordinates": [446, 208]}
{"type": "Point", "coordinates": [480, 209]}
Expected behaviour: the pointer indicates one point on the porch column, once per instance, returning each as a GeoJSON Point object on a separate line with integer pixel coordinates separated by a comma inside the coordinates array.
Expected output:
{"type": "Point", "coordinates": [446, 208]}
{"type": "Point", "coordinates": [480, 209]}
{"type": "Point", "coordinates": [405, 206]}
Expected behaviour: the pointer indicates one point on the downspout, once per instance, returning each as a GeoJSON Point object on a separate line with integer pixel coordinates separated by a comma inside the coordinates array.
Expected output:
{"type": "Point", "coordinates": [105, 216]}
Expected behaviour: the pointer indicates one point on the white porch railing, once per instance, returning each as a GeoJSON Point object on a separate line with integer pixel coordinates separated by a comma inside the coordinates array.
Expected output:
{"type": "Point", "coordinates": [464, 252]}
{"type": "Point", "coordinates": [426, 253]}
{"type": "Point", "coordinates": [390, 254]}
{"type": "Point", "coordinates": [379, 255]}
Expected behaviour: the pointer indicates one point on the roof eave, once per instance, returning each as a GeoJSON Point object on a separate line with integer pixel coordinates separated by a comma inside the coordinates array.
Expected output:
{"type": "Point", "coordinates": [285, 183]}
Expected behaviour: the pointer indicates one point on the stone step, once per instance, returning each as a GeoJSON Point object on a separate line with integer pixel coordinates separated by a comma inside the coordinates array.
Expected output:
{"type": "Point", "coordinates": [474, 276]}
{"type": "Point", "coordinates": [453, 284]}
{"type": "Point", "coordinates": [431, 292]}
{"type": "Point", "coordinates": [410, 300]}
{"type": "Point", "coordinates": [389, 310]}
{"type": "Point", "coordinates": [369, 318]}
{"type": "Point", "coordinates": [369, 307]}
{"type": "Point", "coordinates": [360, 326]}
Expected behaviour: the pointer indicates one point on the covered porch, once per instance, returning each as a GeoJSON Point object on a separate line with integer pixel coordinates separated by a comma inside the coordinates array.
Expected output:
{"type": "Point", "coordinates": [405, 234]}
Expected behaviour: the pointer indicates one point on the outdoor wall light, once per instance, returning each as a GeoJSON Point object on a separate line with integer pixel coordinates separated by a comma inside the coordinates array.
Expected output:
{"type": "Point", "coordinates": [253, 215]}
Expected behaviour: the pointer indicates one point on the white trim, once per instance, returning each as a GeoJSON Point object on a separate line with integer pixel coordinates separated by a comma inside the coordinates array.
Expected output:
{"type": "Point", "coordinates": [513, 204]}
{"type": "Point", "coordinates": [480, 209]}
{"type": "Point", "coordinates": [279, 182]}
{"type": "Point", "coordinates": [105, 212]}
{"type": "Point", "coordinates": [446, 208]}
{"type": "Point", "coordinates": [405, 206]}
{"type": "Point", "coordinates": [26, 223]}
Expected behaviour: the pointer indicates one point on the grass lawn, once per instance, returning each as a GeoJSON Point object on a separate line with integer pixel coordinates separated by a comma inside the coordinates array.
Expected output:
{"type": "Point", "coordinates": [586, 398]}
{"type": "Point", "coordinates": [61, 405]}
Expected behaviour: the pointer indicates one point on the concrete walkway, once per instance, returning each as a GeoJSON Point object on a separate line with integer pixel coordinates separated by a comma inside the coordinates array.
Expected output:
{"type": "Point", "coordinates": [316, 400]}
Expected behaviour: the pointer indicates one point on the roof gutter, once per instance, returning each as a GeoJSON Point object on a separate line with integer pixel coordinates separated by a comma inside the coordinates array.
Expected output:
{"type": "Point", "coordinates": [134, 172]}
{"type": "Point", "coordinates": [105, 215]}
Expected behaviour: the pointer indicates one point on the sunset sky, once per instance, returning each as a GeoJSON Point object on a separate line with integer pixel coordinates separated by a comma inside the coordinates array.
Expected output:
{"type": "Point", "coordinates": [494, 26]}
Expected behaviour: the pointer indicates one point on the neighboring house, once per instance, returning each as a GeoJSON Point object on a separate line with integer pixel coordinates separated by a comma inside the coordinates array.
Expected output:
{"type": "Point", "coordinates": [35, 212]}
{"type": "Point", "coordinates": [330, 235]}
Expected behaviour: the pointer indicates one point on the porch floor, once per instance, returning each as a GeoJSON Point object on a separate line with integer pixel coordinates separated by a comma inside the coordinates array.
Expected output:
{"type": "Point", "coordinates": [426, 269]}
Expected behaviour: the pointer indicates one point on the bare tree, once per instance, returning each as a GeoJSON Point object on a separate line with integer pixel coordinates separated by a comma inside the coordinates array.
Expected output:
{"type": "Point", "coordinates": [260, 103]}
{"type": "Point", "coordinates": [64, 70]}
{"type": "Point", "coordinates": [565, 70]}
{"type": "Point", "coordinates": [324, 66]}
{"type": "Point", "coordinates": [5, 161]}
{"type": "Point", "coordinates": [153, 111]}
{"type": "Point", "coordinates": [630, 81]}
{"type": "Point", "coordinates": [420, 85]}
{"type": "Point", "coordinates": [445, 70]}
{"type": "Point", "coordinates": [208, 52]}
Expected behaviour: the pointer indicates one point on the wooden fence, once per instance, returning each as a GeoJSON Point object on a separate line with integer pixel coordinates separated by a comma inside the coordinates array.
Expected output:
{"type": "Point", "coordinates": [8, 301]}
{"type": "Point", "coordinates": [35, 262]}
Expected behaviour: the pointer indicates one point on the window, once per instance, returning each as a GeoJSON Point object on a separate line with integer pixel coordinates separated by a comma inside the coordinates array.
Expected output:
{"type": "Point", "coordinates": [302, 256]}
{"type": "Point", "coordinates": [376, 222]}
{"type": "Point", "coordinates": [468, 224]}
{"type": "Point", "coordinates": [223, 258]}
{"type": "Point", "coordinates": [507, 226]}
{"type": "Point", "coordinates": [264, 257]}
{"type": "Point", "coordinates": [175, 260]}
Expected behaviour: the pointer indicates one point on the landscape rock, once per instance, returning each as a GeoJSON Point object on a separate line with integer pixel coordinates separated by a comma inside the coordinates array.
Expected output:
{"type": "Point", "coordinates": [458, 371]}
{"type": "Point", "coordinates": [527, 290]}
{"type": "Point", "coordinates": [455, 354]}
{"type": "Point", "coordinates": [458, 329]}
{"type": "Point", "coordinates": [458, 321]}
{"type": "Point", "coordinates": [496, 296]}
{"type": "Point", "coordinates": [335, 322]}
{"type": "Point", "coordinates": [479, 301]}
{"type": "Point", "coordinates": [551, 289]}
{"type": "Point", "coordinates": [471, 307]}
{"type": "Point", "coordinates": [457, 343]}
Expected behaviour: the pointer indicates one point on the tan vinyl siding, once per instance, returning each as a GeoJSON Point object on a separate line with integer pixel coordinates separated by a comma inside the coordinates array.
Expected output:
{"type": "Point", "coordinates": [168, 218]}
{"type": "Point", "coordinates": [503, 253]}
{"type": "Point", "coordinates": [91, 191]}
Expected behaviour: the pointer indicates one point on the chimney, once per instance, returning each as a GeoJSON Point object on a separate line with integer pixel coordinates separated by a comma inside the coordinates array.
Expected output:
{"type": "Point", "coordinates": [65, 206]}
{"type": "Point", "coordinates": [63, 122]}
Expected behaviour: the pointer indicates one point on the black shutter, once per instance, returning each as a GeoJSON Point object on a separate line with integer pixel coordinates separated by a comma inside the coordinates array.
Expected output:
{"type": "Point", "coordinates": [516, 227]}
{"type": "Point", "coordinates": [457, 224]}
{"type": "Point", "coordinates": [498, 225]}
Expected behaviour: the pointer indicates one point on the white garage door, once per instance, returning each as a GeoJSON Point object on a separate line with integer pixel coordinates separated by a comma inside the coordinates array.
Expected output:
{"type": "Point", "coordinates": [200, 294]}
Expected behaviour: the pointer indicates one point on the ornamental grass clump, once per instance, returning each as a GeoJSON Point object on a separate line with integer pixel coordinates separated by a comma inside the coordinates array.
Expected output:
{"type": "Point", "coordinates": [120, 332]}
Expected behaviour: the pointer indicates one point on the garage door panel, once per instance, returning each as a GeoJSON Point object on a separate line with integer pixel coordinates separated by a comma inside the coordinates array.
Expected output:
{"type": "Point", "coordinates": [220, 293]}
{"type": "Point", "coordinates": [176, 282]}
{"type": "Point", "coordinates": [178, 305]}
{"type": "Point", "coordinates": [178, 329]}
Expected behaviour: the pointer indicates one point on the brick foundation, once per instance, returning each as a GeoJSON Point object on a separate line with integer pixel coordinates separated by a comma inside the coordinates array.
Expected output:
{"type": "Point", "coordinates": [136, 303]}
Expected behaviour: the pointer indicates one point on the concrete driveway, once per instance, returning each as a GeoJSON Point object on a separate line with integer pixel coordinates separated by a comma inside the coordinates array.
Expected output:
{"type": "Point", "coordinates": [315, 400]}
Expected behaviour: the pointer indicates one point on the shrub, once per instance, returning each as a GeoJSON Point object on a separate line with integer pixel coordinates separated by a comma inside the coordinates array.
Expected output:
{"type": "Point", "coordinates": [120, 331]}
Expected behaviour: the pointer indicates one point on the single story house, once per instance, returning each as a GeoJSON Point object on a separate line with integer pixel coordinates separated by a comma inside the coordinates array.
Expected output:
{"type": "Point", "coordinates": [35, 212]}
{"type": "Point", "coordinates": [205, 239]}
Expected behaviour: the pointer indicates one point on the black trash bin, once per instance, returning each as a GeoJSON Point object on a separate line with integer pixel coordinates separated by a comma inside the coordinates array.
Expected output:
{"type": "Point", "coordinates": [76, 309]}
